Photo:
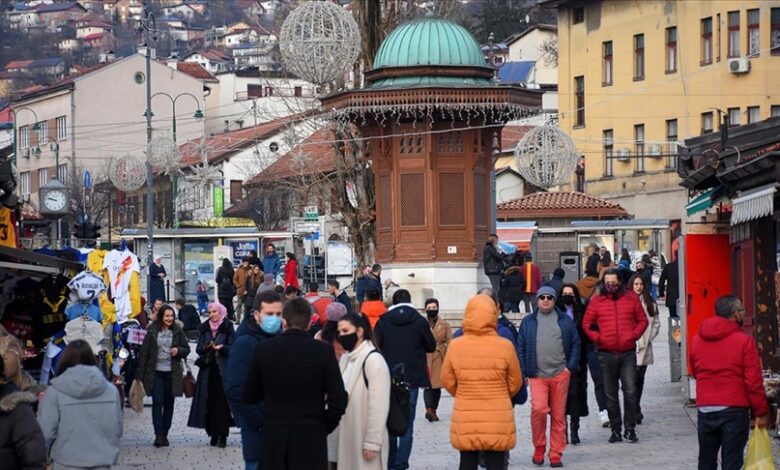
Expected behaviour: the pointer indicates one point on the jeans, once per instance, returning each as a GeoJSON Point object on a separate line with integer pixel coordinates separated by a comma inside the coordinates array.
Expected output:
{"type": "Point", "coordinates": [431, 397]}
{"type": "Point", "coordinates": [641, 371]}
{"type": "Point", "coordinates": [469, 460]}
{"type": "Point", "coordinates": [529, 300]}
{"type": "Point", "coordinates": [598, 377]}
{"type": "Point", "coordinates": [512, 306]}
{"type": "Point", "coordinates": [162, 403]}
{"type": "Point", "coordinates": [620, 367]}
{"type": "Point", "coordinates": [726, 431]}
{"type": "Point", "coordinates": [251, 465]}
{"type": "Point", "coordinates": [548, 397]}
{"type": "Point", "coordinates": [672, 306]}
{"type": "Point", "coordinates": [401, 446]}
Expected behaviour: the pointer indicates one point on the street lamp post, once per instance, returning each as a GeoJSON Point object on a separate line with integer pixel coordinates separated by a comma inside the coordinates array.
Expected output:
{"type": "Point", "coordinates": [175, 179]}
{"type": "Point", "coordinates": [149, 26]}
{"type": "Point", "coordinates": [55, 147]}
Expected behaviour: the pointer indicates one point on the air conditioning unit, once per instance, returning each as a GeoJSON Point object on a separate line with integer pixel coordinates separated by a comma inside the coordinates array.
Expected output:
{"type": "Point", "coordinates": [26, 153]}
{"type": "Point", "coordinates": [655, 151]}
{"type": "Point", "coordinates": [624, 155]}
{"type": "Point", "coordinates": [739, 65]}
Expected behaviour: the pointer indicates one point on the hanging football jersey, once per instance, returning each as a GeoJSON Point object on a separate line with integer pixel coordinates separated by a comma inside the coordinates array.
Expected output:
{"type": "Point", "coordinates": [120, 266]}
{"type": "Point", "coordinates": [87, 286]}
{"type": "Point", "coordinates": [53, 303]}
{"type": "Point", "coordinates": [8, 234]}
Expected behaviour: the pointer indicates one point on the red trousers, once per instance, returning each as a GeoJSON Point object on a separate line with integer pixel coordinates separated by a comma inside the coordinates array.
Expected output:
{"type": "Point", "coordinates": [548, 397]}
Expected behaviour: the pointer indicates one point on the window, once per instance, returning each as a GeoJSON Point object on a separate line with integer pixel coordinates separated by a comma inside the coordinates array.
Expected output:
{"type": "Point", "coordinates": [578, 15]}
{"type": "Point", "coordinates": [24, 137]}
{"type": "Point", "coordinates": [671, 142]}
{"type": "Point", "coordinates": [62, 128]}
{"type": "Point", "coordinates": [706, 122]}
{"type": "Point", "coordinates": [609, 147]}
{"type": "Point", "coordinates": [43, 132]}
{"type": "Point", "coordinates": [254, 90]}
{"type": "Point", "coordinates": [733, 117]}
{"type": "Point", "coordinates": [579, 87]}
{"type": "Point", "coordinates": [298, 91]}
{"type": "Point", "coordinates": [753, 114]}
{"type": "Point", "coordinates": [774, 34]}
{"type": "Point", "coordinates": [25, 177]}
{"type": "Point", "coordinates": [753, 32]}
{"type": "Point", "coordinates": [639, 143]}
{"type": "Point", "coordinates": [706, 41]}
{"type": "Point", "coordinates": [639, 57]}
{"type": "Point", "coordinates": [774, 111]}
{"type": "Point", "coordinates": [236, 190]}
{"type": "Point", "coordinates": [733, 19]}
{"type": "Point", "coordinates": [62, 173]}
{"type": "Point", "coordinates": [43, 176]}
{"type": "Point", "coordinates": [671, 49]}
{"type": "Point", "coordinates": [606, 75]}
{"type": "Point", "coordinates": [269, 91]}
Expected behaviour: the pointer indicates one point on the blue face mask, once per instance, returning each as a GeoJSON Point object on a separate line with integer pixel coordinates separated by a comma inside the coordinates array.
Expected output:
{"type": "Point", "coordinates": [271, 324]}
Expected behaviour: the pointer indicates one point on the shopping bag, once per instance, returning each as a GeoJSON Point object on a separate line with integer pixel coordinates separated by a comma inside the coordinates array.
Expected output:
{"type": "Point", "coordinates": [759, 454]}
{"type": "Point", "coordinates": [137, 394]}
{"type": "Point", "coordinates": [189, 382]}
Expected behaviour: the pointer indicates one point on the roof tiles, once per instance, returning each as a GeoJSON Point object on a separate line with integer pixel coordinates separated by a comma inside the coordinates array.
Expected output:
{"type": "Point", "coordinates": [559, 204]}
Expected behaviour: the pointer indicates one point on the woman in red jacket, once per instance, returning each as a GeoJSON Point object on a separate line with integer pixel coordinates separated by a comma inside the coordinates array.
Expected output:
{"type": "Point", "coordinates": [291, 272]}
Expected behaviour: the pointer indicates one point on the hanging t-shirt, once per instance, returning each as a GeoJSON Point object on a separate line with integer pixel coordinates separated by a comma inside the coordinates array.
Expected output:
{"type": "Point", "coordinates": [88, 309]}
{"type": "Point", "coordinates": [87, 286]}
{"type": "Point", "coordinates": [120, 265]}
{"type": "Point", "coordinates": [8, 234]}
{"type": "Point", "coordinates": [53, 302]}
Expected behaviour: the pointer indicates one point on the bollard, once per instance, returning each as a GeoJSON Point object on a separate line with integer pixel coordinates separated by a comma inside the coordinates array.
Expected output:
{"type": "Point", "coordinates": [675, 349]}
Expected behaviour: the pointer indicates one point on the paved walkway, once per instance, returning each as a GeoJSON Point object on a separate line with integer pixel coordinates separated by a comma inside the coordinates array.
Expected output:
{"type": "Point", "coordinates": [667, 439]}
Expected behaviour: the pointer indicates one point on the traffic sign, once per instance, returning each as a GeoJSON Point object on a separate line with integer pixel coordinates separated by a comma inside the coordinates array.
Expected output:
{"type": "Point", "coordinates": [305, 226]}
{"type": "Point", "coordinates": [87, 179]}
{"type": "Point", "coordinates": [311, 213]}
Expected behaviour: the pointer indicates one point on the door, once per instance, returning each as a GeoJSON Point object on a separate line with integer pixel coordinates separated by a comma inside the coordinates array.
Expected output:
{"type": "Point", "coordinates": [743, 282]}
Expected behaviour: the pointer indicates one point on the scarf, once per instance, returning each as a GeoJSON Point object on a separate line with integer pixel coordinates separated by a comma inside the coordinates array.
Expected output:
{"type": "Point", "coordinates": [214, 325]}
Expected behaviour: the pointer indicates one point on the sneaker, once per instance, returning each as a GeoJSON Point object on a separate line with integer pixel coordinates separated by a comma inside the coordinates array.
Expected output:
{"type": "Point", "coordinates": [615, 437]}
{"type": "Point", "coordinates": [538, 458]}
{"type": "Point", "coordinates": [604, 417]}
{"type": "Point", "coordinates": [555, 462]}
{"type": "Point", "coordinates": [630, 435]}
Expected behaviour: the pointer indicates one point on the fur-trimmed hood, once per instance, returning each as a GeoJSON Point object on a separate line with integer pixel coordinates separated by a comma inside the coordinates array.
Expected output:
{"type": "Point", "coordinates": [11, 397]}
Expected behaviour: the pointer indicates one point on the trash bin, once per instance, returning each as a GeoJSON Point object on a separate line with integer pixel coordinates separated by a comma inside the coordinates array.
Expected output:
{"type": "Point", "coordinates": [570, 262]}
{"type": "Point", "coordinates": [675, 349]}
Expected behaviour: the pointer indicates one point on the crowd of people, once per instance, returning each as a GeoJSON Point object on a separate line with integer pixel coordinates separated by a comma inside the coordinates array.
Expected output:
{"type": "Point", "coordinates": [318, 382]}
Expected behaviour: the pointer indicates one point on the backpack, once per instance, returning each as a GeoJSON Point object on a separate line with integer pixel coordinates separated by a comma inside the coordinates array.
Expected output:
{"type": "Point", "coordinates": [398, 417]}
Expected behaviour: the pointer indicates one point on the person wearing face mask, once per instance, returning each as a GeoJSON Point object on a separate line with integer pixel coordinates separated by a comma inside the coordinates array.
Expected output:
{"type": "Point", "coordinates": [615, 320]}
{"type": "Point", "coordinates": [442, 333]}
{"type": "Point", "coordinates": [729, 383]}
{"type": "Point", "coordinates": [262, 324]}
{"type": "Point", "coordinates": [569, 302]}
{"type": "Point", "coordinates": [361, 441]}
{"type": "Point", "coordinates": [644, 345]}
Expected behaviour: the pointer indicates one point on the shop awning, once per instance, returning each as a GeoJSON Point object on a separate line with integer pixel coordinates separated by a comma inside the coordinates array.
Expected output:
{"type": "Point", "coordinates": [518, 234]}
{"type": "Point", "coordinates": [29, 260]}
{"type": "Point", "coordinates": [753, 204]}
{"type": "Point", "coordinates": [705, 200]}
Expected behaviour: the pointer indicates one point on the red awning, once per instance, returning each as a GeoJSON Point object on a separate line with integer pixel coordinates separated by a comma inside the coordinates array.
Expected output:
{"type": "Point", "coordinates": [520, 237]}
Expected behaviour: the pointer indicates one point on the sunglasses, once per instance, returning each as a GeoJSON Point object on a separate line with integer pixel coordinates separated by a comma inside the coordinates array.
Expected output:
{"type": "Point", "coordinates": [546, 297]}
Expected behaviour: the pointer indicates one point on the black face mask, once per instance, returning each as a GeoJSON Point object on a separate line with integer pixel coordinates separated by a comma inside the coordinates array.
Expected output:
{"type": "Point", "coordinates": [348, 341]}
{"type": "Point", "coordinates": [567, 299]}
{"type": "Point", "coordinates": [432, 313]}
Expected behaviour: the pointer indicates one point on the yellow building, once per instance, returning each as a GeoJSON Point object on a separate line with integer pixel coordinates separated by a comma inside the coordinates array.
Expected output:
{"type": "Point", "coordinates": [636, 77]}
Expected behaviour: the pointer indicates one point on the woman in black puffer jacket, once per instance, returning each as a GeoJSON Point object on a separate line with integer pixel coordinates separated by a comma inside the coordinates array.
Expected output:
{"type": "Point", "coordinates": [511, 293]}
{"type": "Point", "coordinates": [21, 440]}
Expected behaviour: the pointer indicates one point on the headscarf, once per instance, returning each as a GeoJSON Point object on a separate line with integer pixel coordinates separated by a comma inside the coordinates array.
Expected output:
{"type": "Point", "coordinates": [222, 315]}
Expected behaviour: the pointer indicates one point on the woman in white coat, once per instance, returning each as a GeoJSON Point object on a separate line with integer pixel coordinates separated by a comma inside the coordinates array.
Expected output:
{"type": "Point", "coordinates": [361, 441]}
{"type": "Point", "coordinates": [644, 345]}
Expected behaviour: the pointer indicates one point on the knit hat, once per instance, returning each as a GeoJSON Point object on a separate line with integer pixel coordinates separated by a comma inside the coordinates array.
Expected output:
{"type": "Point", "coordinates": [335, 311]}
{"type": "Point", "coordinates": [547, 290]}
{"type": "Point", "coordinates": [624, 265]}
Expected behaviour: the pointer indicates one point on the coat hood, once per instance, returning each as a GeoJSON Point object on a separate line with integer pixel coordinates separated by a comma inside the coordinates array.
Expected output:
{"type": "Point", "coordinates": [717, 328]}
{"type": "Point", "coordinates": [481, 317]}
{"type": "Point", "coordinates": [11, 397]}
{"type": "Point", "coordinates": [81, 382]}
{"type": "Point", "coordinates": [401, 314]}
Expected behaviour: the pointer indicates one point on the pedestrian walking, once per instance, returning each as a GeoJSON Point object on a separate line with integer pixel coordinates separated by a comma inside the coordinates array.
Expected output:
{"type": "Point", "coordinates": [512, 286]}
{"type": "Point", "coordinates": [648, 268]}
{"type": "Point", "coordinates": [493, 262]}
{"type": "Point", "coordinates": [263, 323]}
{"type": "Point", "coordinates": [442, 333]}
{"type": "Point", "coordinates": [533, 281]}
{"type": "Point", "coordinates": [160, 369]}
{"type": "Point", "coordinates": [210, 410]}
{"type": "Point", "coordinates": [189, 318]}
{"type": "Point", "coordinates": [202, 296]}
{"type": "Point", "coordinates": [299, 382]}
{"type": "Point", "coordinates": [729, 384]}
{"type": "Point", "coordinates": [272, 264]}
{"type": "Point", "coordinates": [226, 290]}
{"type": "Point", "coordinates": [291, 272]}
{"type": "Point", "coordinates": [625, 255]}
{"type": "Point", "coordinates": [22, 445]}
{"type": "Point", "coordinates": [669, 286]}
{"type": "Point", "coordinates": [549, 350]}
{"type": "Point", "coordinates": [625, 273]}
{"type": "Point", "coordinates": [606, 263]}
{"type": "Point", "coordinates": [482, 373]}
{"type": "Point", "coordinates": [570, 303]}
{"type": "Point", "coordinates": [405, 337]}
{"type": "Point", "coordinates": [239, 281]}
{"type": "Point", "coordinates": [81, 413]}
{"type": "Point", "coordinates": [340, 296]}
{"type": "Point", "coordinates": [556, 281]}
{"type": "Point", "coordinates": [592, 263]}
{"type": "Point", "coordinates": [644, 345]}
{"type": "Point", "coordinates": [372, 305]}
{"type": "Point", "coordinates": [614, 320]}
{"type": "Point", "coordinates": [372, 277]}
{"type": "Point", "coordinates": [333, 313]}
{"type": "Point", "coordinates": [254, 279]}
{"type": "Point", "coordinates": [157, 273]}
{"type": "Point", "coordinates": [361, 441]}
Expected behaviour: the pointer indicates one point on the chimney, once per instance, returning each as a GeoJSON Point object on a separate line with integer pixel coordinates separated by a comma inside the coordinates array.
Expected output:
{"type": "Point", "coordinates": [106, 57]}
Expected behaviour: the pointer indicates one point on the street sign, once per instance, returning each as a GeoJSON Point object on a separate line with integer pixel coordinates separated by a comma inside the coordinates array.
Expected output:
{"type": "Point", "coordinates": [305, 226]}
{"type": "Point", "coordinates": [311, 213]}
{"type": "Point", "coordinates": [87, 180]}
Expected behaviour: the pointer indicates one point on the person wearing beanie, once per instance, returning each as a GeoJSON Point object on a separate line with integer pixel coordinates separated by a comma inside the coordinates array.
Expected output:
{"type": "Point", "coordinates": [556, 281]}
{"type": "Point", "coordinates": [334, 312]}
{"type": "Point", "coordinates": [549, 350]}
{"type": "Point", "coordinates": [624, 272]}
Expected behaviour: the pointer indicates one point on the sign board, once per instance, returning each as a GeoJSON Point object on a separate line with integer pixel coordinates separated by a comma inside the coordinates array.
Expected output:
{"type": "Point", "coordinates": [241, 249]}
{"type": "Point", "coordinates": [87, 179]}
{"type": "Point", "coordinates": [220, 253]}
{"type": "Point", "coordinates": [305, 226]}
{"type": "Point", "coordinates": [219, 201]}
{"type": "Point", "coordinates": [340, 259]}
{"type": "Point", "coordinates": [311, 213]}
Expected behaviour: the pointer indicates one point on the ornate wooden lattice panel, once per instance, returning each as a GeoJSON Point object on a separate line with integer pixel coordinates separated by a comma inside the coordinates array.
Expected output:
{"type": "Point", "coordinates": [412, 199]}
{"type": "Point", "coordinates": [452, 207]}
{"type": "Point", "coordinates": [450, 143]}
{"type": "Point", "coordinates": [386, 202]}
{"type": "Point", "coordinates": [480, 217]}
{"type": "Point", "coordinates": [411, 144]}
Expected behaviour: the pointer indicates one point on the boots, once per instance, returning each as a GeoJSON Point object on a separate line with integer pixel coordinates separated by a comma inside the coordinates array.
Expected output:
{"type": "Point", "coordinates": [575, 435]}
{"type": "Point", "coordinates": [430, 415]}
{"type": "Point", "coordinates": [213, 441]}
{"type": "Point", "coordinates": [164, 441]}
{"type": "Point", "coordinates": [158, 441]}
{"type": "Point", "coordinates": [222, 442]}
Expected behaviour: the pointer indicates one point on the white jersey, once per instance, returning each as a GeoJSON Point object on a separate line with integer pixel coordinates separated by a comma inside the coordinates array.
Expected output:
{"type": "Point", "coordinates": [120, 266]}
{"type": "Point", "coordinates": [87, 286]}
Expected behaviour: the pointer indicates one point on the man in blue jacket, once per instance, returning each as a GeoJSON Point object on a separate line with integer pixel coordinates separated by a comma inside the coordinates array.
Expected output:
{"type": "Point", "coordinates": [264, 323]}
{"type": "Point", "coordinates": [549, 350]}
{"type": "Point", "coordinates": [271, 262]}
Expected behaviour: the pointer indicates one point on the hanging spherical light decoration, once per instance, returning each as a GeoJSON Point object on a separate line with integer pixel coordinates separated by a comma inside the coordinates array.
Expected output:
{"type": "Point", "coordinates": [127, 173]}
{"type": "Point", "coordinates": [163, 154]}
{"type": "Point", "coordinates": [546, 156]}
{"type": "Point", "coordinates": [319, 41]}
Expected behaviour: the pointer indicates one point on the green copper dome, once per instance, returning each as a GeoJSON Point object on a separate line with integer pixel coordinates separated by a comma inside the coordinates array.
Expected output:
{"type": "Point", "coordinates": [430, 41]}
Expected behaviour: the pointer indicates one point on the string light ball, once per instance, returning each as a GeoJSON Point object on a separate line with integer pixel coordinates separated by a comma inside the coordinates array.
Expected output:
{"type": "Point", "coordinates": [546, 156]}
{"type": "Point", "coordinates": [127, 173]}
{"type": "Point", "coordinates": [319, 41]}
{"type": "Point", "coordinates": [163, 154]}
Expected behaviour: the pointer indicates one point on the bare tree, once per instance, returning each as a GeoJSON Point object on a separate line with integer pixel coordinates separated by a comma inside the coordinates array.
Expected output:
{"type": "Point", "coordinates": [549, 51]}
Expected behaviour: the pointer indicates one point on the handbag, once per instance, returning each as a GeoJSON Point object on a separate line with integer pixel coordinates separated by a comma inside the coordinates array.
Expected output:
{"type": "Point", "coordinates": [189, 381]}
{"type": "Point", "coordinates": [400, 410]}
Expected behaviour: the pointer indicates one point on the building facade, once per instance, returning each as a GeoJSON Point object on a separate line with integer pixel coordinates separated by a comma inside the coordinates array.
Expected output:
{"type": "Point", "coordinates": [637, 77]}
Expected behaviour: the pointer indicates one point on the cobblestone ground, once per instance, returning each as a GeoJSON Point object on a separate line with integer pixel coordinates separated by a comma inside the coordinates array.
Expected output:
{"type": "Point", "coordinates": [667, 439]}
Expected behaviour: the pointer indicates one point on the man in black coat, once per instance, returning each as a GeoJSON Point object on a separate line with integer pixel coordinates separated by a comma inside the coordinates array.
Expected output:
{"type": "Point", "coordinates": [669, 286]}
{"type": "Point", "coordinates": [493, 262]}
{"type": "Point", "coordinates": [404, 337]}
{"type": "Point", "coordinates": [298, 380]}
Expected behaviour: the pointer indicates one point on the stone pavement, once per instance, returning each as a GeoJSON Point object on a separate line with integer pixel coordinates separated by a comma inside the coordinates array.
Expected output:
{"type": "Point", "coordinates": [667, 439]}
